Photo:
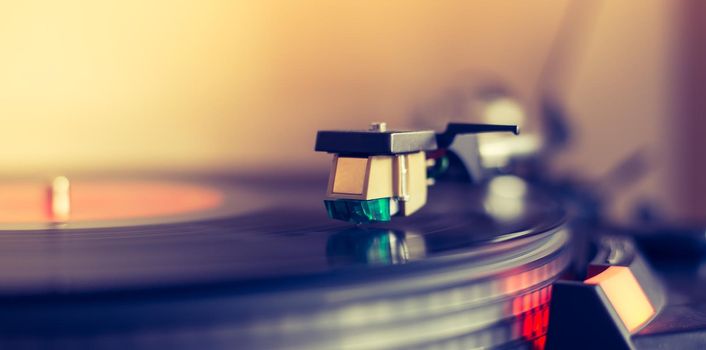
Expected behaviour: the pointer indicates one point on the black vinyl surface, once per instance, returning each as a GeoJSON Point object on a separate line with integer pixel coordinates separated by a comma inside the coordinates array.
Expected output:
{"type": "Point", "coordinates": [284, 232]}
{"type": "Point", "coordinates": [277, 273]}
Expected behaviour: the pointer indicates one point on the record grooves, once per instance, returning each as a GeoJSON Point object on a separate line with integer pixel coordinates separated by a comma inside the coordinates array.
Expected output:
{"type": "Point", "coordinates": [274, 272]}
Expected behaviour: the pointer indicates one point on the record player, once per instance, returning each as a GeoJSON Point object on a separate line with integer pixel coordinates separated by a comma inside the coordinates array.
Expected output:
{"type": "Point", "coordinates": [490, 259]}
{"type": "Point", "coordinates": [205, 175]}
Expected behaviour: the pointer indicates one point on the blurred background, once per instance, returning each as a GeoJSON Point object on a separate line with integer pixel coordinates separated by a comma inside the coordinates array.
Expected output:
{"type": "Point", "coordinates": [243, 86]}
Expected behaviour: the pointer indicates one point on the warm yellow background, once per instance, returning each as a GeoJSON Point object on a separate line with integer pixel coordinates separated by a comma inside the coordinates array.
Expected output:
{"type": "Point", "coordinates": [148, 84]}
{"type": "Point", "coordinates": [244, 85]}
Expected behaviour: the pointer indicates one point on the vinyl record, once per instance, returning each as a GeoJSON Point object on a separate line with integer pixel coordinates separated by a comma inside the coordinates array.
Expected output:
{"type": "Point", "coordinates": [259, 265]}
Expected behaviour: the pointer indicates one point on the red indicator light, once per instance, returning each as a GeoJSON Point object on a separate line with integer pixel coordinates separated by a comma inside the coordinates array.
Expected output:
{"type": "Point", "coordinates": [532, 312]}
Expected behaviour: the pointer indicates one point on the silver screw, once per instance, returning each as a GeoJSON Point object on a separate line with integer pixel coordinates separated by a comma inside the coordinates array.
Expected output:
{"type": "Point", "coordinates": [378, 126]}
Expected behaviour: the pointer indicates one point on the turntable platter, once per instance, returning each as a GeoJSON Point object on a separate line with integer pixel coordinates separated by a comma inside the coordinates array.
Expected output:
{"type": "Point", "coordinates": [266, 268]}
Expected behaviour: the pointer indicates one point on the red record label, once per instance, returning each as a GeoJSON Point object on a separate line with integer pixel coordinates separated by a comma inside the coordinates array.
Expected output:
{"type": "Point", "coordinates": [22, 203]}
